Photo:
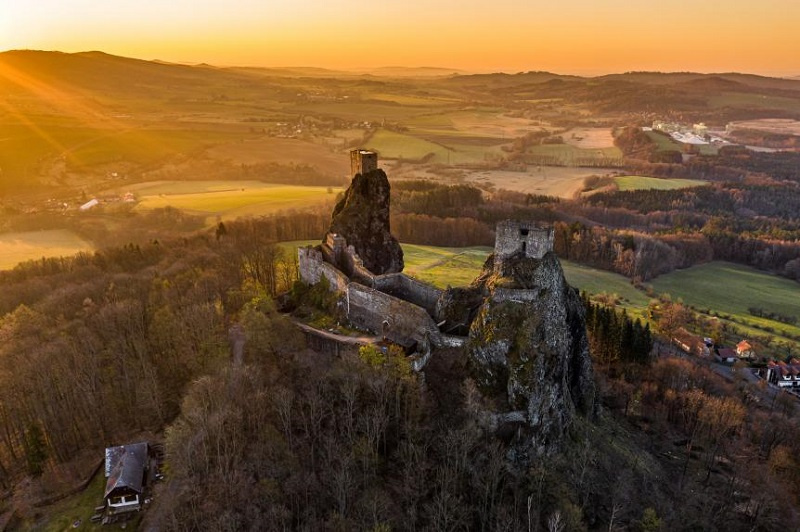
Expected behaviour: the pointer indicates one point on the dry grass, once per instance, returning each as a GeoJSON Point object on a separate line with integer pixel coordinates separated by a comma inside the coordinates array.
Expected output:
{"type": "Point", "coordinates": [589, 137]}
{"type": "Point", "coordinates": [562, 182]}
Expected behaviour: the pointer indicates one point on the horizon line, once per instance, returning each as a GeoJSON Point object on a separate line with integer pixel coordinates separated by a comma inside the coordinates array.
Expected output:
{"type": "Point", "coordinates": [365, 70]}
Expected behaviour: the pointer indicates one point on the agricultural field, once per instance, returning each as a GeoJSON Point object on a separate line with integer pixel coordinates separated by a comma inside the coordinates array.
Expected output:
{"type": "Point", "coordinates": [282, 151]}
{"type": "Point", "coordinates": [558, 181]}
{"type": "Point", "coordinates": [636, 182]}
{"type": "Point", "coordinates": [479, 122]}
{"type": "Point", "coordinates": [33, 245]}
{"type": "Point", "coordinates": [370, 111]}
{"type": "Point", "coordinates": [569, 155]}
{"type": "Point", "coordinates": [392, 145]}
{"type": "Point", "coordinates": [590, 138]}
{"type": "Point", "coordinates": [780, 126]}
{"type": "Point", "coordinates": [228, 199]}
{"type": "Point", "coordinates": [730, 289]}
{"type": "Point", "coordinates": [434, 148]}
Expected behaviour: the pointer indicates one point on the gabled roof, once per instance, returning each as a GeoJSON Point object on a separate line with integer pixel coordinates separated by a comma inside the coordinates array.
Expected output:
{"type": "Point", "coordinates": [744, 345]}
{"type": "Point", "coordinates": [125, 467]}
{"type": "Point", "coordinates": [727, 352]}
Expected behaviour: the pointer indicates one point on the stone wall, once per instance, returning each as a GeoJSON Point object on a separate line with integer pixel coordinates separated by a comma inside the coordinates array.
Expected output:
{"type": "Point", "coordinates": [412, 290]}
{"type": "Point", "coordinates": [514, 294]}
{"type": "Point", "coordinates": [368, 308]}
{"type": "Point", "coordinates": [526, 237]}
{"type": "Point", "coordinates": [363, 161]}
{"type": "Point", "coordinates": [312, 268]}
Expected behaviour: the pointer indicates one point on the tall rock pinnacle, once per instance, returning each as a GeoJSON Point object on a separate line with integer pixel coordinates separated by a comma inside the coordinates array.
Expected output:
{"type": "Point", "coordinates": [362, 218]}
{"type": "Point", "coordinates": [528, 344]}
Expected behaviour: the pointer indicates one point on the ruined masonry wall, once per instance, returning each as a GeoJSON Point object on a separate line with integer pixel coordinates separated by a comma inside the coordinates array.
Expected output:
{"type": "Point", "coordinates": [404, 287]}
{"type": "Point", "coordinates": [362, 161]}
{"type": "Point", "coordinates": [368, 308]}
{"type": "Point", "coordinates": [513, 237]}
{"type": "Point", "coordinates": [313, 268]}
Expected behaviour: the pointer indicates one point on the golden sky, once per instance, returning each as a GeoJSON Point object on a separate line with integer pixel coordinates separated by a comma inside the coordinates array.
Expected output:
{"type": "Point", "coordinates": [568, 36]}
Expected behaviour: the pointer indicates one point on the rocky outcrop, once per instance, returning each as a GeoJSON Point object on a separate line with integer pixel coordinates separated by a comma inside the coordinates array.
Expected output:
{"type": "Point", "coordinates": [362, 218]}
{"type": "Point", "coordinates": [528, 348]}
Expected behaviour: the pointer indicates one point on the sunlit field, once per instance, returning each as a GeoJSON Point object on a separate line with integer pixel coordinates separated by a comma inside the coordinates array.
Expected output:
{"type": "Point", "coordinates": [32, 245]}
{"type": "Point", "coordinates": [229, 199]}
{"type": "Point", "coordinates": [636, 182]}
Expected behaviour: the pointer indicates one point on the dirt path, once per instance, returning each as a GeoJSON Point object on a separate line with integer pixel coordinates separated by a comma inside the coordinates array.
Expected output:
{"type": "Point", "coordinates": [353, 340]}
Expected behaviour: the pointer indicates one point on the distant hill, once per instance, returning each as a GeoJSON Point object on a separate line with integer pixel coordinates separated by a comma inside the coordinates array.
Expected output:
{"type": "Point", "coordinates": [669, 78]}
{"type": "Point", "coordinates": [412, 72]}
{"type": "Point", "coordinates": [106, 74]}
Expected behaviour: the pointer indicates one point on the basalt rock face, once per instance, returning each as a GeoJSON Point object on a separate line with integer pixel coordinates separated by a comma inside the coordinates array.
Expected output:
{"type": "Point", "coordinates": [362, 218]}
{"type": "Point", "coordinates": [528, 346]}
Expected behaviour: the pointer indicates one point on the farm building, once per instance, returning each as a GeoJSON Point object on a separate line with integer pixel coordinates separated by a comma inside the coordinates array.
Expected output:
{"type": "Point", "coordinates": [689, 343]}
{"type": "Point", "coordinates": [126, 469]}
{"type": "Point", "coordinates": [89, 204]}
{"type": "Point", "coordinates": [726, 355]}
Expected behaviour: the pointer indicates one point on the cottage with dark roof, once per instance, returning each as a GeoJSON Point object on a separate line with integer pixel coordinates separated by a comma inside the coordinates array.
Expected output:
{"type": "Point", "coordinates": [126, 467]}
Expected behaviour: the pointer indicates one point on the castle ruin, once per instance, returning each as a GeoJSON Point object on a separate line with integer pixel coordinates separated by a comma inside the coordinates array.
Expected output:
{"type": "Point", "coordinates": [402, 309]}
{"type": "Point", "coordinates": [363, 161]}
{"type": "Point", "coordinates": [526, 239]}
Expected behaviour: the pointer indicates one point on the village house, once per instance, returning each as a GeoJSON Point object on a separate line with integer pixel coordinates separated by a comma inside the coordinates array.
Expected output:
{"type": "Point", "coordinates": [745, 350]}
{"type": "Point", "coordinates": [784, 375]}
{"type": "Point", "coordinates": [725, 355]}
{"type": "Point", "coordinates": [126, 471]}
{"type": "Point", "coordinates": [690, 343]}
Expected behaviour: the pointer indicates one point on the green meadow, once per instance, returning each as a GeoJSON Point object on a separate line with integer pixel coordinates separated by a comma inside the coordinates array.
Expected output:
{"type": "Point", "coordinates": [637, 182]}
{"type": "Point", "coordinates": [730, 289]}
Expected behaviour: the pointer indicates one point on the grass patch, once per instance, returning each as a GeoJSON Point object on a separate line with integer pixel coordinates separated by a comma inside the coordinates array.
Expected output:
{"type": "Point", "coordinates": [61, 515]}
{"type": "Point", "coordinates": [393, 145]}
{"type": "Point", "coordinates": [637, 182]}
{"type": "Point", "coordinates": [730, 289]}
{"type": "Point", "coordinates": [444, 267]}
{"type": "Point", "coordinates": [596, 282]}
{"type": "Point", "coordinates": [229, 199]}
{"type": "Point", "coordinates": [664, 142]}
{"type": "Point", "coordinates": [33, 245]}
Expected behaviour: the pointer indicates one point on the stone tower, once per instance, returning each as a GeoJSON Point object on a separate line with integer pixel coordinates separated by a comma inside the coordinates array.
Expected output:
{"type": "Point", "coordinates": [363, 161]}
{"type": "Point", "coordinates": [525, 238]}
